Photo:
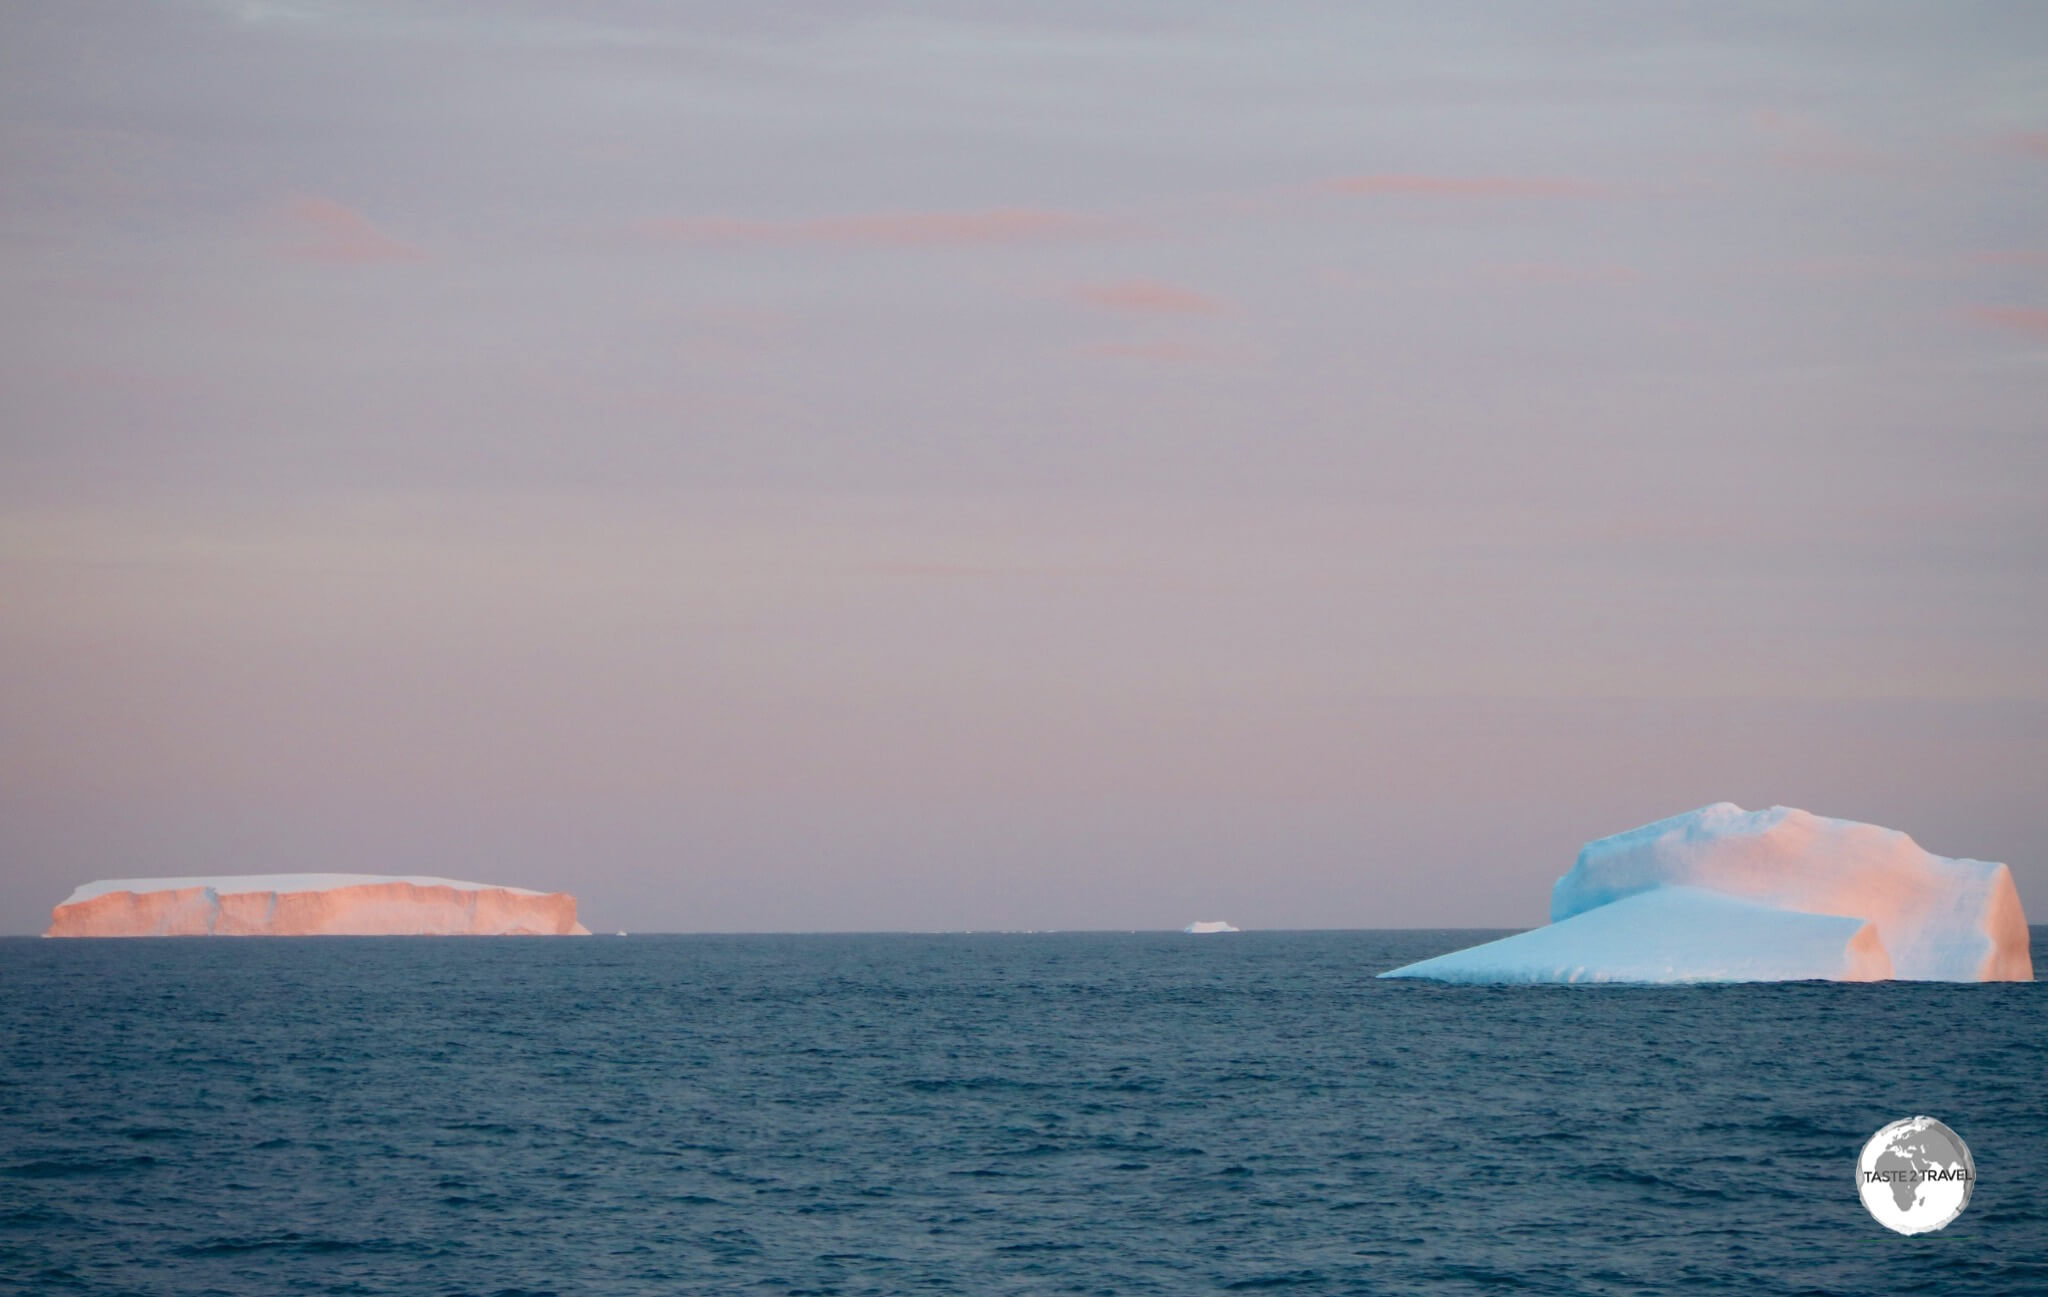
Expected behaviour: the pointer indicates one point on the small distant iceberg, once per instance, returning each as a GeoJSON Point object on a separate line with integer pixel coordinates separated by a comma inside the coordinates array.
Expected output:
{"type": "Point", "coordinates": [1202, 927]}
{"type": "Point", "coordinates": [1721, 894]}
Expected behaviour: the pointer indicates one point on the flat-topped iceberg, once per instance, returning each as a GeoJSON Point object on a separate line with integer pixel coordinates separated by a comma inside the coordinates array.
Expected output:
{"type": "Point", "coordinates": [1721, 894]}
{"type": "Point", "coordinates": [305, 905]}
{"type": "Point", "coordinates": [1203, 927]}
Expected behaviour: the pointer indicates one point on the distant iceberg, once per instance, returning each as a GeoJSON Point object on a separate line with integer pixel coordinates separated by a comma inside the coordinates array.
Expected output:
{"type": "Point", "coordinates": [310, 905]}
{"type": "Point", "coordinates": [1721, 894]}
{"type": "Point", "coordinates": [1203, 926]}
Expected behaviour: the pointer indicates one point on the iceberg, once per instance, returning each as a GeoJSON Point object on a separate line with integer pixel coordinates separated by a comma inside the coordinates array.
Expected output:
{"type": "Point", "coordinates": [310, 905]}
{"type": "Point", "coordinates": [1674, 934]}
{"type": "Point", "coordinates": [1206, 926]}
{"type": "Point", "coordinates": [1721, 894]}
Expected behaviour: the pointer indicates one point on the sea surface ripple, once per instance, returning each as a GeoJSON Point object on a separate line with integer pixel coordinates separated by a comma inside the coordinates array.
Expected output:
{"type": "Point", "coordinates": [1029, 1113]}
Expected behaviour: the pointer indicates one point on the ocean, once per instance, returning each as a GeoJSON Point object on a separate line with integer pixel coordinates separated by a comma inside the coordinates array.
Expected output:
{"type": "Point", "coordinates": [1017, 1113]}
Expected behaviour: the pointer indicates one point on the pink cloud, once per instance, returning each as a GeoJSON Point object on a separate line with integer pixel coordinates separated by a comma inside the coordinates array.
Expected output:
{"type": "Point", "coordinates": [2032, 143]}
{"type": "Point", "coordinates": [328, 231]}
{"type": "Point", "coordinates": [1148, 297]}
{"type": "Point", "coordinates": [2025, 319]}
{"type": "Point", "coordinates": [1421, 186]}
{"type": "Point", "coordinates": [884, 230]}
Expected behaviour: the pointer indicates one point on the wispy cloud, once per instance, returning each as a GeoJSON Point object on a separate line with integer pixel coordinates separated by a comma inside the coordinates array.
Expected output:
{"type": "Point", "coordinates": [325, 230]}
{"type": "Point", "coordinates": [885, 229]}
{"type": "Point", "coordinates": [1405, 185]}
{"type": "Point", "coordinates": [1147, 297]}
{"type": "Point", "coordinates": [2023, 319]}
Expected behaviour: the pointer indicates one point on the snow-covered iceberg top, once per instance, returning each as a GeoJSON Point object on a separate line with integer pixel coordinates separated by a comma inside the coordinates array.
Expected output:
{"type": "Point", "coordinates": [1721, 894]}
{"type": "Point", "coordinates": [234, 884]}
{"type": "Point", "coordinates": [1205, 926]}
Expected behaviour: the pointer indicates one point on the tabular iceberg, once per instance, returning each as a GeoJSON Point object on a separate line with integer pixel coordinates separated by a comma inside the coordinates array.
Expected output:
{"type": "Point", "coordinates": [311, 905]}
{"type": "Point", "coordinates": [1721, 894]}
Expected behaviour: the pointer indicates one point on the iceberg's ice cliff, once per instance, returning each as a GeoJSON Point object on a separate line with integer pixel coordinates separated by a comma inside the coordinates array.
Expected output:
{"type": "Point", "coordinates": [310, 905]}
{"type": "Point", "coordinates": [1721, 894]}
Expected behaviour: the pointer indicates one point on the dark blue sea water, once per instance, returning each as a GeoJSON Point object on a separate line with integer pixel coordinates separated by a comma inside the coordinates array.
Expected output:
{"type": "Point", "coordinates": [1087, 1113]}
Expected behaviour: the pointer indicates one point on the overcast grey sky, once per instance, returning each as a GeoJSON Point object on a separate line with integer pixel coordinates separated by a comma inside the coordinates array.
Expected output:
{"type": "Point", "coordinates": [927, 465]}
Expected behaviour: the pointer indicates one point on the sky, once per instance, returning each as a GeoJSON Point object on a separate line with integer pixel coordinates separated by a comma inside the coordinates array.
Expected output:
{"type": "Point", "coordinates": [909, 466]}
